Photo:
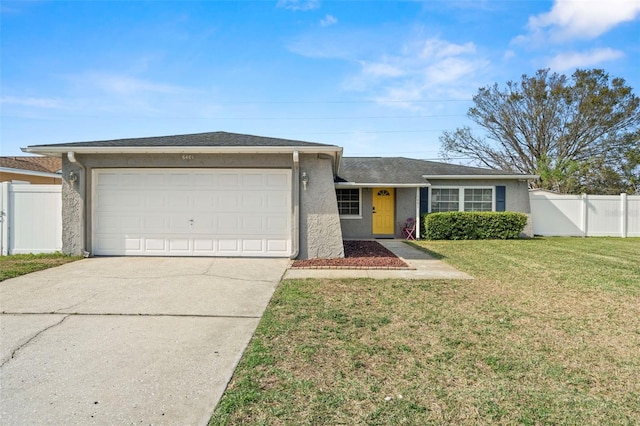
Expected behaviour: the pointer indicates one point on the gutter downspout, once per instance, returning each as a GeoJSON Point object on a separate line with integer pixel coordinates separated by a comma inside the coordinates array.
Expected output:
{"type": "Point", "coordinates": [72, 158]}
{"type": "Point", "coordinates": [295, 222]}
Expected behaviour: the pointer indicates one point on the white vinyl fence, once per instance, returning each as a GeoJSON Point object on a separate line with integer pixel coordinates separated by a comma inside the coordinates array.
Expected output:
{"type": "Point", "coordinates": [31, 218]}
{"type": "Point", "coordinates": [585, 215]}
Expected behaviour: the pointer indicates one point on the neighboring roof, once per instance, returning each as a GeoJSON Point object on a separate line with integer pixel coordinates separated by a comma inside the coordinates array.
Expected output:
{"type": "Point", "coordinates": [43, 166]}
{"type": "Point", "coordinates": [410, 172]}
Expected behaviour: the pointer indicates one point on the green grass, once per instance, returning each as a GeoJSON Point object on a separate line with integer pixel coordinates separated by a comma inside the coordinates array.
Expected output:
{"type": "Point", "coordinates": [547, 333]}
{"type": "Point", "coordinates": [21, 264]}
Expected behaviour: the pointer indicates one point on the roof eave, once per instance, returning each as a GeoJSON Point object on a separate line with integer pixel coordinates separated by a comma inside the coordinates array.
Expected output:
{"type": "Point", "coordinates": [478, 177]}
{"type": "Point", "coordinates": [59, 151]}
{"type": "Point", "coordinates": [381, 185]}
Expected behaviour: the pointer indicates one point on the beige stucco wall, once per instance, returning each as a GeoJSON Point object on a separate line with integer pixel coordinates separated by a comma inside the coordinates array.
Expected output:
{"type": "Point", "coordinates": [319, 228]}
{"type": "Point", "coordinates": [320, 234]}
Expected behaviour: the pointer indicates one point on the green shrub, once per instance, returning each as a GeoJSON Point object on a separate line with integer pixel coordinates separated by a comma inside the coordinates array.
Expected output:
{"type": "Point", "coordinates": [473, 225]}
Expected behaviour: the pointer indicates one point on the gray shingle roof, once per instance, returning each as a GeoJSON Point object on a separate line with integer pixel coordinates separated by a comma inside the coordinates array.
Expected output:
{"type": "Point", "coordinates": [222, 139]}
{"type": "Point", "coordinates": [389, 170]}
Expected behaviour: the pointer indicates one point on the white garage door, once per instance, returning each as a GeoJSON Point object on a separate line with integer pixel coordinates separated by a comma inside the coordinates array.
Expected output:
{"type": "Point", "coordinates": [192, 212]}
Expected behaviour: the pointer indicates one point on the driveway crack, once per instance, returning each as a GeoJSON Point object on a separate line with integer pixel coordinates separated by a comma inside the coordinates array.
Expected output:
{"type": "Point", "coordinates": [226, 277]}
{"type": "Point", "coordinates": [76, 304]}
{"type": "Point", "coordinates": [16, 350]}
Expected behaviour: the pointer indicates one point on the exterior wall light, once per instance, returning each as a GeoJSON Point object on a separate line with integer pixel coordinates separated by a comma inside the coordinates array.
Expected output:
{"type": "Point", "coordinates": [73, 177]}
{"type": "Point", "coordinates": [305, 180]}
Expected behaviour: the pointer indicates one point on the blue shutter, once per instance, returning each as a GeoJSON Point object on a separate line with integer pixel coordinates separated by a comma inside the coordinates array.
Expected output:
{"type": "Point", "coordinates": [424, 201]}
{"type": "Point", "coordinates": [501, 198]}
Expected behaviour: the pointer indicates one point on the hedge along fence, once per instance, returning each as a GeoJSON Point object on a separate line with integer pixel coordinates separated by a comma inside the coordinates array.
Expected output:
{"type": "Point", "coordinates": [473, 225]}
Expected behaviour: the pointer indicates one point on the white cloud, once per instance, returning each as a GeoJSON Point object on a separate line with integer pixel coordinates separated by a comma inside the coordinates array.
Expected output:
{"type": "Point", "coordinates": [580, 19]}
{"type": "Point", "coordinates": [509, 54]}
{"type": "Point", "coordinates": [571, 60]}
{"type": "Point", "coordinates": [32, 102]}
{"type": "Point", "coordinates": [449, 71]}
{"type": "Point", "coordinates": [381, 69]}
{"type": "Point", "coordinates": [436, 48]}
{"type": "Point", "coordinates": [118, 84]}
{"type": "Point", "coordinates": [328, 20]}
{"type": "Point", "coordinates": [391, 71]}
{"type": "Point", "coordinates": [428, 68]}
{"type": "Point", "coordinates": [350, 45]}
{"type": "Point", "coordinates": [299, 4]}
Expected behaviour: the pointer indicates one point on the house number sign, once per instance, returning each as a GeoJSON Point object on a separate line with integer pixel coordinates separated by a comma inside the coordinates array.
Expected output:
{"type": "Point", "coordinates": [187, 157]}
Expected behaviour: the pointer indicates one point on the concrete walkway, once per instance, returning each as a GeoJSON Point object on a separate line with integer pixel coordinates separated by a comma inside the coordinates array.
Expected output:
{"type": "Point", "coordinates": [426, 267]}
{"type": "Point", "coordinates": [126, 340]}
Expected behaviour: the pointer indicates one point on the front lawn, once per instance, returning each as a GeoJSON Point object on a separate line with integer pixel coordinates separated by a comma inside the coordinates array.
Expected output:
{"type": "Point", "coordinates": [21, 264]}
{"type": "Point", "coordinates": [547, 333]}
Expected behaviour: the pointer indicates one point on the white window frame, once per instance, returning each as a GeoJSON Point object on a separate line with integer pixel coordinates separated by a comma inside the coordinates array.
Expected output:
{"type": "Point", "coordinates": [352, 216]}
{"type": "Point", "coordinates": [443, 187]}
{"type": "Point", "coordinates": [461, 195]}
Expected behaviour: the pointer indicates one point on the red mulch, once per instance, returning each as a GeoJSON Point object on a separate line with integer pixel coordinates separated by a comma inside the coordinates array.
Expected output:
{"type": "Point", "coordinates": [358, 254]}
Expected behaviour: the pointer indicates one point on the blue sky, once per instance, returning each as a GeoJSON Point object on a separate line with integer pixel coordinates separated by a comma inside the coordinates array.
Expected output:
{"type": "Point", "coordinates": [378, 77]}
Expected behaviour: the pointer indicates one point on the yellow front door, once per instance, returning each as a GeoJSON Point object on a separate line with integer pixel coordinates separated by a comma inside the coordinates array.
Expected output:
{"type": "Point", "coordinates": [383, 208]}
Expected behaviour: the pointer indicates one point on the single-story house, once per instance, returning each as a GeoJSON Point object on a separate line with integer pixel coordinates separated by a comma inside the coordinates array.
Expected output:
{"type": "Point", "coordinates": [36, 170]}
{"type": "Point", "coordinates": [226, 194]}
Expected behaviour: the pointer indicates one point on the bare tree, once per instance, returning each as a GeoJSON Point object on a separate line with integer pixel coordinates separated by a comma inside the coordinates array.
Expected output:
{"type": "Point", "coordinates": [556, 126]}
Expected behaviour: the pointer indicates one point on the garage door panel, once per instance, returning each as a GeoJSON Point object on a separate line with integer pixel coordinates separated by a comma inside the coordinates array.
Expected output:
{"type": "Point", "coordinates": [129, 223]}
{"type": "Point", "coordinates": [228, 202]}
{"type": "Point", "coordinates": [227, 247]}
{"type": "Point", "coordinates": [228, 179]}
{"type": "Point", "coordinates": [252, 201]}
{"type": "Point", "coordinates": [130, 180]}
{"type": "Point", "coordinates": [274, 202]}
{"type": "Point", "coordinates": [251, 224]}
{"type": "Point", "coordinates": [227, 224]}
{"type": "Point", "coordinates": [180, 223]}
{"type": "Point", "coordinates": [192, 212]}
{"type": "Point", "coordinates": [203, 224]}
{"type": "Point", "coordinates": [255, 246]}
{"type": "Point", "coordinates": [108, 243]}
{"type": "Point", "coordinates": [178, 201]}
{"type": "Point", "coordinates": [277, 181]}
{"type": "Point", "coordinates": [154, 200]}
{"type": "Point", "coordinates": [119, 201]}
{"type": "Point", "coordinates": [205, 180]}
{"type": "Point", "coordinates": [151, 181]}
{"type": "Point", "coordinates": [205, 201]}
{"type": "Point", "coordinates": [253, 179]}
{"type": "Point", "coordinates": [277, 225]}
{"type": "Point", "coordinates": [179, 245]}
{"type": "Point", "coordinates": [278, 246]}
{"type": "Point", "coordinates": [150, 224]}
{"type": "Point", "coordinates": [203, 246]}
{"type": "Point", "coordinates": [108, 222]}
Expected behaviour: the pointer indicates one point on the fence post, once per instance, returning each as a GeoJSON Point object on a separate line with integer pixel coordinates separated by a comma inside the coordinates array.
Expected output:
{"type": "Point", "coordinates": [4, 219]}
{"type": "Point", "coordinates": [623, 209]}
{"type": "Point", "coordinates": [585, 214]}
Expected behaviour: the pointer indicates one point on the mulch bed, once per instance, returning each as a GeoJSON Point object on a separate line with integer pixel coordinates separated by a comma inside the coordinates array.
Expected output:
{"type": "Point", "coordinates": [358, 255]}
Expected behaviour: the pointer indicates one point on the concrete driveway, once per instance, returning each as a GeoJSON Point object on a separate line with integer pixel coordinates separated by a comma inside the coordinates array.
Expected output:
{"type": "Point", "coordinates": [127, 340]}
